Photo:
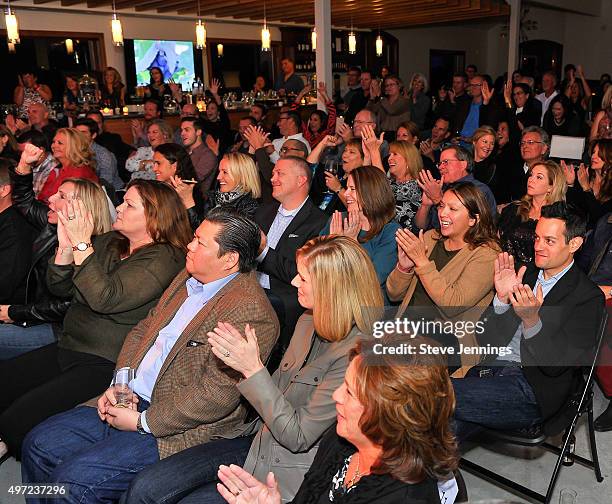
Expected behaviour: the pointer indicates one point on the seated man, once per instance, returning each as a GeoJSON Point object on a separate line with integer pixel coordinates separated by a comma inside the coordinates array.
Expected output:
{"type": "Point", "coordinates": [456, 165]}
{"type": "Point", "coordinates": [186, 394]}
{"type": "Point", "coordinates": [241, 143]}
{"type": "Point", "coordinates": [38, 115]}
{"type": "Point", "coordinates": [152, 110]}
{"type": "Point", "coordinates": [290, 126]}
{"type": "Point", "coordinates": [106, 162]}
{"type": "Point", "coordinates": [287, 227]}
{"type": "Point", "coordinates": [549, 325]}
{"type": "Point", "coordinates": [204, 160]}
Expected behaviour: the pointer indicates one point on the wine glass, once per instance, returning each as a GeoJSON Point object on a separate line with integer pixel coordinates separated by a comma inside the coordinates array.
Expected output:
{"type": "Point", "coordinates": [331, 167]}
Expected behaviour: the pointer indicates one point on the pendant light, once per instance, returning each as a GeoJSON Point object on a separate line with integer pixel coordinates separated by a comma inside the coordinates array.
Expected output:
{"type": "Point", "coordinates": [352, 40]}
{"type": "Point", "coordinates": [200, 32]}
{"type": "Point", "coordinates": [116, 28]}
{"type": "Point", "coordinates": [379, 46]}
{"type": "Point", "coordinates": [69, 46]}
{"type": "Point", "coordinates": [265, 34]}
{"type": "Point", "coordinates": [12, 26]}
{"type": "Point", "coordinates": [313, 39]}
{"type": "Point", "coordinates": [219, 50]}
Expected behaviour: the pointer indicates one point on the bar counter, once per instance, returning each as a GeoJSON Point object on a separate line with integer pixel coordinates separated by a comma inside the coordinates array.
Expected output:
{"type": "Point", "coordinates": [121, 123]}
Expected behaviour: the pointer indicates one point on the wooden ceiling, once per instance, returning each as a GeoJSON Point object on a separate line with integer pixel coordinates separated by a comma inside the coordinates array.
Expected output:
{"type": "Point", "coordinates": [372, 14]}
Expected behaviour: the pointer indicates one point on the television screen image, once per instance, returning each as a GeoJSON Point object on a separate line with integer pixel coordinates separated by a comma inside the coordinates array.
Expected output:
{"type": "Point", "coordinates": [174, 57]}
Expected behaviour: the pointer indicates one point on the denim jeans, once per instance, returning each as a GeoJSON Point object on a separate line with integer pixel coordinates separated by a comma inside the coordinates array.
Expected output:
{"type": "Point", "coordinates": [496, 397]}
{"type": "Point", "coordinates": [96, 461]}
{"type": "Point", "coordinates": [189, 476]}
{"type": "Point", "coordinates": [16, 340]}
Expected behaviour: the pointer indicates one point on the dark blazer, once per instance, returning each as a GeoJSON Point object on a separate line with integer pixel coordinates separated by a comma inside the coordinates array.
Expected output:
{"type": "Point", "coordinates": [379, 488]}
{"type": "Point", "coordinates": [570, 317]}
{"type": "Point", "coordinates": [489, 114]}
{"type": "Point", "coordinates": [38, 305]}
{"type": "Point", "coordinates": [280, 263]}
{"type": "Point", "coordinates": [15, 255]}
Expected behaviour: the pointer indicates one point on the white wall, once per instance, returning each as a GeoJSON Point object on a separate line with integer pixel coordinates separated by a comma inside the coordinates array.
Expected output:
{"type": "Point", "coordinates": [415, 43]}
{"type": "Point", "coordinates": [133, 27]}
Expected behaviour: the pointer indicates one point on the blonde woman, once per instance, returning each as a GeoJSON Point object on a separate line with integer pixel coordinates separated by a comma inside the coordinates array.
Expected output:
{"type": "Point", "coordinates": [405, 163]}
{"type": "Point", "coordinates": [71, 150]}
{"type": "Point", "coordinates": [483, 144]}
{"type": "Point", "coordinates": [112, 91]}
{"type": "Point", "coordinates": [546, 184]}
{"type": "Point", "coordinates": [295, 404]}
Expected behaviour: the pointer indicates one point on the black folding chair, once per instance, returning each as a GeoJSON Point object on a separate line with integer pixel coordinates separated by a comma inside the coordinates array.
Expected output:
{"type": "Point", "coordinates": [535, 437]}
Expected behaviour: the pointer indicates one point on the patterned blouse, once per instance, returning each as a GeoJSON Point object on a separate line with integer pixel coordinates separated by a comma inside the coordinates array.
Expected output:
{"type": "Point", "coordinates": [337, 485]}
{"type": "Point", "coordinates": [407, 201]}
{"type": "Point", "coordinates": [137, 167]}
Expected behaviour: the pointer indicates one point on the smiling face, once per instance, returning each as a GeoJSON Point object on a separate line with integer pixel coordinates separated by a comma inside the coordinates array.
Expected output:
{"type": "Point", "coordinates": [349, 408]}
{"type": "Point", "coordinates": [189, 134]}
{"type": "Point", "coordinates": [351, 195]}
{"type": "Point", "coordinates": [596, 162]}
{"type": "Point", "coordinates": [304, 285]}
{"type": "Point", "coordinates": [151, 111]}
{"type": "Point", "coordinates": [59, 148]}
{"type": "Point", "coordinates": [520, 97]}
{"type": "Point", "coordinates": [227, 183]}
{"type": "Point", "coordinates": [538, 183]}
{"type": "Point", "coordinates": [212, 111]}
{"type": "Point", "coordinates": [72, 84]}
{"type": "Point", "coordinates": [440, 131]}
{"type": "Point", "coordinates": [314, 123]}
{"type": "Point", "coordinates": [532, 147]}
{"type": "Point", "coordinates": [131, 218]}
{"type": "Point", "coordinates": [503, 133]}
{"type": "Point", "coordinates": [450, 167]}
{"type": "Point", "coordinates": [552, 253]}
{"type": "Point", "coordinates": [155, 135]}
{"type": "Point", "coordinates": [398, 166]}
{"type": "Point", "coordinates": [454, 218]}
{"type": "Point", "coordinates": [351, 158]}
{"type": "Point", "coordinates": [164, 170]}
{"type": "Point", "coordinates": [557, 111]}
{"type": "Point", "coordinates": [483, 147]}
{"type": "Point", "coordinates": [392, 87]}
{"type": "Point", "coordinates": [404, 135]}
{"type": "Point", "coordinates": [459, 85]}
{"type": "Point", "coordinates": [59, 200]}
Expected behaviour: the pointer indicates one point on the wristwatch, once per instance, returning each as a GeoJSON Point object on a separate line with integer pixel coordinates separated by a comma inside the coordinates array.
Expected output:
{"type": "Point", "coordinates": [81, 246]}
{"type": "Point", "coordinates": [139, 427]}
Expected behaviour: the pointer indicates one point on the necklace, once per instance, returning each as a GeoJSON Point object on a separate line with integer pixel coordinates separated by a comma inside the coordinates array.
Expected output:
{"type": "Point", "coordinates": [357, 474]}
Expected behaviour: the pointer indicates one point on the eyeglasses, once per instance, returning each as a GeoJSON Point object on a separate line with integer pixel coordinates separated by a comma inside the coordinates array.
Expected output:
{"type": "Point", "coordinates": [364, 122]}
{"type": "Point", "coordinates": [445, 162]}
{"type": "Point", "coordinates": [529, 142]}
{"type": "Point", "coordinates": [475, 85]}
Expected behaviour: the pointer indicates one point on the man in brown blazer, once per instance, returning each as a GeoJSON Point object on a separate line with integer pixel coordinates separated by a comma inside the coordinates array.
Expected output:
{"type": "Point", "coordinates": [183, 394]}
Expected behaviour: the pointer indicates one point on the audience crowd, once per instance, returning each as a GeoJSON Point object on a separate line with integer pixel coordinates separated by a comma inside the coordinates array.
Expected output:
{"type": "Point", "coordinates": [240, 277]}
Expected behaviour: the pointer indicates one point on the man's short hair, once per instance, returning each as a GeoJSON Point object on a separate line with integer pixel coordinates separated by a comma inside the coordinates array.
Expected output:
{"type": "Point", "coordinates": [197, 123]}
{"type": "Point", "coordinates": [302, 165]}
{"type": "Point", "coordinates": [463, 75]}
{"type": "Point", "coordinates": [287, 58]}
{"type": "Point", "coordinates": [296, 119]}
{"type": "Point", "coordinates": [156, 102]}
{"type": "Point", "coordinates": [569, 67]}
{"type": "Point", "coordinates": [355, 69]}
{"type": "Point", "coordinates": [36, 138]}
{"type": "Point", "coordinates": [574, 218]}
{"type": "Point", "coordinates": [251, 120]}
{"type": "Point", "coordinates": [544, 137]}
{"type": "Point", "coordinates": [237, 234]}
{"type": "Point", "coordinates": [91, 125]}
{"type": "Point", "coordinates": [462, 155]}
{"type": "Point", "coordinates": [472, 66]}
{"type": "Point", "coordinates": [551, 73]}
{"type": "Point", "coordinates": [6, 165]}
{"type": "Point", "coordinates": [299, 145]}
{"type": "Point", "coordinates": [96, 113]}
{"type": "Point", "coordinates": [262, 107]}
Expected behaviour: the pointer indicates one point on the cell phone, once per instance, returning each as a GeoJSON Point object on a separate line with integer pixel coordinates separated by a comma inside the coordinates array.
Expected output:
{"type": "Point", "coordinates": [339, 123]}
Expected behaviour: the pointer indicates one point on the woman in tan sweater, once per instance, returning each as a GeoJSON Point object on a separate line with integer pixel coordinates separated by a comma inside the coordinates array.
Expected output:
{"type": "Point", "coordinates": [447, 273]}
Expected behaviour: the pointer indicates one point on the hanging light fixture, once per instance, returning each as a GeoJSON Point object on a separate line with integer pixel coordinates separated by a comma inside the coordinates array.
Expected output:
{"type": "Point", "coordinates": [352, 43]}
{"type": "Point", "coordinates": [200, 32]}
{"type": "Point", "coordinates": [313, 38]}
{"type": "Point", "coordinates": [69, 46]}
{"type": "Point", "coordinates": [219, 50]}
{"type": "Point", "coordinates": [379, 46]}
{"type": "Point", "coordinates": [116, 28]}
{"type": "Point", "coordinates": [12, 26]}
{"type": "Point", "coordinates": [265, 34]}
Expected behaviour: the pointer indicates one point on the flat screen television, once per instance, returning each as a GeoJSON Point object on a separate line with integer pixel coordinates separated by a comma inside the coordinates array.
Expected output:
{"type": "Point", "coordinates": [176, 58]}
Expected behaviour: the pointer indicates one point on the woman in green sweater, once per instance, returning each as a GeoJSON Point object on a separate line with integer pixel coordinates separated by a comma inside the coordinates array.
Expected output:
{"type": "Point", "coordinates": [113, 280]}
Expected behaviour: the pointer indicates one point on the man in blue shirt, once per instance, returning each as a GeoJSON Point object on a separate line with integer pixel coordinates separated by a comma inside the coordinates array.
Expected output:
{"type": "Point", "coordinates": [548, 329]}
{"type": "Point", "coordinates": [288, 81]}
{"type": "Point", "coordinates": [183, 394]}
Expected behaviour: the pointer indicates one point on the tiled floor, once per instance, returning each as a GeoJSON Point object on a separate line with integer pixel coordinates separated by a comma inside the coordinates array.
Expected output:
{"type": "Point", "coordinates": [531, 468]}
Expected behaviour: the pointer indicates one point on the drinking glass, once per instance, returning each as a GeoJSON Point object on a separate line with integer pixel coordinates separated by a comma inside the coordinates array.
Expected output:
{"type": "Point", "coordinates": [123, 386]}
{"type": "Point", "coordinates": [331, 167]}
{"type": "Point", "coordinates": [567, 496]}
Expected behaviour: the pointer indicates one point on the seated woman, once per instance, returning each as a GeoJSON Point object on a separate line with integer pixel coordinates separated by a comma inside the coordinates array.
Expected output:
{"type": "Point", "coordinates": [449, 271]}
{"type": "Point", "coordinates": [35, 321]}
{"type": "Point", "coordinates": [294, 405]}
{"type": "Point", "coordinates": [408, 132]}
{"type": "Point", "coordinates": [560, 119]}
{"type": "Point", "coordinates": [483, 143]}
{"type": "Point", "coordinates": [9, 148]}
{"type": "Point", "coordinates": [112, 280]}
{"type": "Point", "coordinates": [405, 163]}
{"type": "Point", "coordinates": [140, 162]}
{"type": "Point", "coordinates": [112, 91]}
{"type": "Point", "coordinates": [370, 218]}
{"type": "Point", "coordinates": [71, 95]}
{"type": "Point", "coordinates": [320, 124]}
{"type": "Point", "coordinates": [517, 223]}
{"type": "Point", "coordinates": [592, 189]}
{"type": "Point", "coordinates": [378, 451]}
{"type": "Point", "coordinates": [71, 150]}
{"type": "Point", "coordinates": [238, 179]}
